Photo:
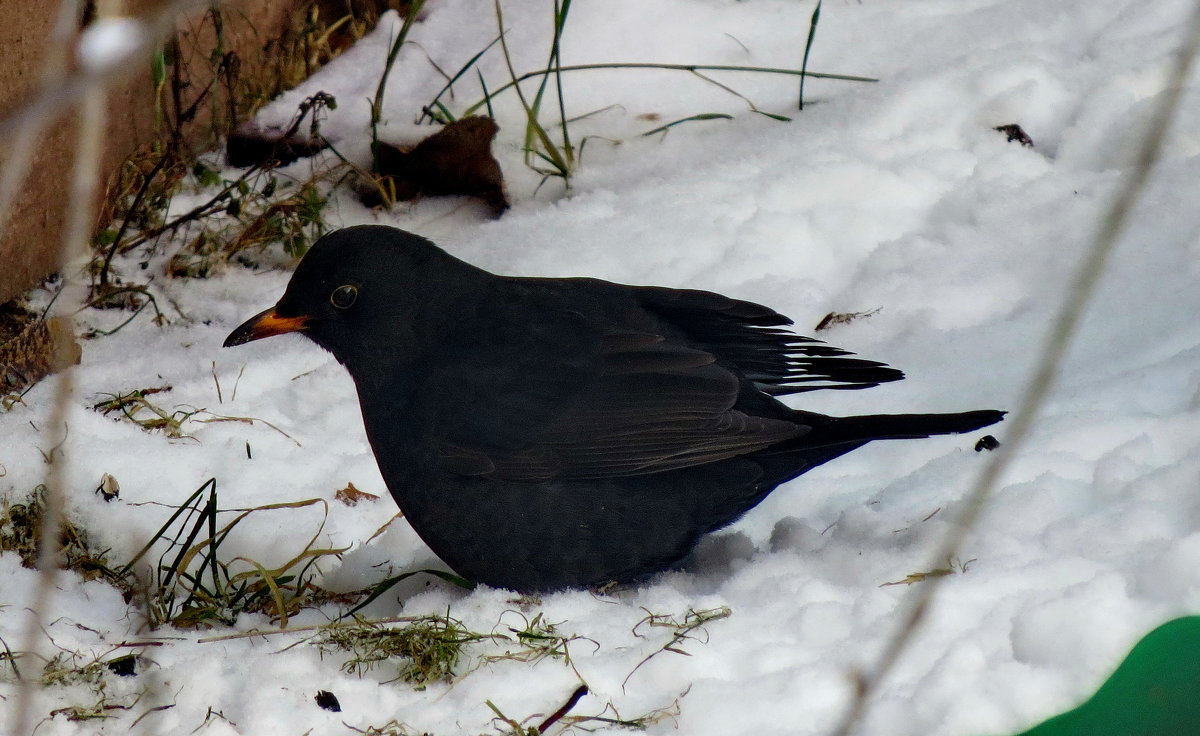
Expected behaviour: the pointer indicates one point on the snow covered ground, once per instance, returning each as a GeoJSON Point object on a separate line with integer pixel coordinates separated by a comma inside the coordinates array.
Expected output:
{"type": "Point", "coordinates": [897, 195]}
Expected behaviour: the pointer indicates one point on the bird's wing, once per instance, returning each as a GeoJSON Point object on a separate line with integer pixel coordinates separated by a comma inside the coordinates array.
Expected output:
{"type": "Point", "coordinates": [549, 394]}
{"type": "Point", "coordinates": [751, 337]}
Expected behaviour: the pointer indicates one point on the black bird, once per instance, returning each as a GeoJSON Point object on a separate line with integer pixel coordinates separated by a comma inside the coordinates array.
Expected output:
{"type": "Point", "coordinates": [546, 433]}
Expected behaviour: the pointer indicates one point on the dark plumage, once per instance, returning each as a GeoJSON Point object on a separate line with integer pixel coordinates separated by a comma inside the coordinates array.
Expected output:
{"type": "Point", "coordinates": [549, 433]}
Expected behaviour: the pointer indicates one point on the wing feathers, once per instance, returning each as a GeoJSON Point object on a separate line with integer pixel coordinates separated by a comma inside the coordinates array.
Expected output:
{"type": "Point", "coordinates": [746, 335]}
{"type": "Point", "coordinates": [651, 405]}
{"type": "Point", "coordinates": [652, 390]}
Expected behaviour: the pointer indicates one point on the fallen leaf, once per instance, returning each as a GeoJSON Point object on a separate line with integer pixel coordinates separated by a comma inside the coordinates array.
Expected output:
{"type": "Point", "coordinates": [351, 495]}
{"type": "Point", "coordinates": [456, 160]}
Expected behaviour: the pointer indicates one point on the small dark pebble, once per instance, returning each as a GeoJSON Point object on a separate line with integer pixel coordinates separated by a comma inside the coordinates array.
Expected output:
{"type": "Point", "coordinates": [1016, 133]}
{"type": "Point", "coordinates": [328, 701]}
{"type": "Point", "coordinates": [986, 442]}
{"type": "Point", "coordinates": [123, 666]}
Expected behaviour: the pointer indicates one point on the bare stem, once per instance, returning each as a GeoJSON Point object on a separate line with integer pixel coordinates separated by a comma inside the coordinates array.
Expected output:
{"type": "Point", "coordinates": [1045, 374]}
{"type": "Point", "coordinates": [81, 220]}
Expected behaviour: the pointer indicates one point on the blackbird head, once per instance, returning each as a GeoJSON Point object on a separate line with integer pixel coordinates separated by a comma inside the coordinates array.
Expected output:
{"type": "Point", "coordinates": [357, 293]}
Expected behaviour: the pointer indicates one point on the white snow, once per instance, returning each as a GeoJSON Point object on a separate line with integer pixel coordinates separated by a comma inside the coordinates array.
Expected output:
{"type": "Point", "coordinates": [896, 195]}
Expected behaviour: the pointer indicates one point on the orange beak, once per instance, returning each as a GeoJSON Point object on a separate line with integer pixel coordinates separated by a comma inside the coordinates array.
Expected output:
{"type": "Point", "coordinates": [265, 324]}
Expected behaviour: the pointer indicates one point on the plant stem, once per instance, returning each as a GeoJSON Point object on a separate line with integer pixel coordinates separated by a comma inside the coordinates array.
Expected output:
{"type": "Point", "coordinates": [377, 106]}
{"type": "Point", "coordinates": [812, 33]}
{"type": "Point", "coordinates": [675, 67]}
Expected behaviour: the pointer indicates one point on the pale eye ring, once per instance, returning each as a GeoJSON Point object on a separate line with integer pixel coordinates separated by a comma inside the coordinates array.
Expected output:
{"type": "Point", "coordinates": [344, 296]}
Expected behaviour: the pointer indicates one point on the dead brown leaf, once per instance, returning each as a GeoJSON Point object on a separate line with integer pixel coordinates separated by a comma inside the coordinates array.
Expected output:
{"type": "Point", "coordinates": [456, 160]}
{"type": "Point", "coordinates": [351, 495]}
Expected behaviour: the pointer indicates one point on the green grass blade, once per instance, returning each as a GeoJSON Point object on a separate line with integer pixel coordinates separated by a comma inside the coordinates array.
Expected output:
{"type": "Point", "coordinates": [377, 105]}
{"type": "Point", "coordinates": [487, 97]}
{"type": "Point", "coordinates": [434, 103]}
{"type": "Point", "coordinates": [384, 585]}
{"type": "Point", "coordinates": [812, 33]}
{"type": "Point", "coordinates": [162, 530]}
{"type": "Point", "coordinates": [701, 116]}
{"type": "Point", "coordinates": [672, 67]}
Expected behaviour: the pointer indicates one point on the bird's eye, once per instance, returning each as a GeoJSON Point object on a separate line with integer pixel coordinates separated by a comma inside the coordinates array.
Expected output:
{"type": "Point", "coordinates": [343, 296]}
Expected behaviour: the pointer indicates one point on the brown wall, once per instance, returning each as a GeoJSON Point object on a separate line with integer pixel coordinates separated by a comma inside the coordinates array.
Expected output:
{"type": "Point", "coordinates": [29, 244]}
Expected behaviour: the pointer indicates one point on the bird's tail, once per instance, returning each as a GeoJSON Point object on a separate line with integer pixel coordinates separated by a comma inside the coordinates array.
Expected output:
{"type": "Point", "coordinates": [831, 437]}
{"type": "Point", "coordinates": [841, 430]}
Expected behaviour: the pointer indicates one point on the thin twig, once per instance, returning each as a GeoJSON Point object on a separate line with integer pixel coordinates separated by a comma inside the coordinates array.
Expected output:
{"type": "Point", "coordinates": [565, 709]}
{"type": "Point", "coordinates": [134, 207]}
{"type": "Point", "coordinates": [76, 234]}
{"type": "Point", "coordinates": [214, 204]}
{"type": "Point", "coordinates": [1045, 374]}
{"type": "Point", "coordinates": [217, 202]}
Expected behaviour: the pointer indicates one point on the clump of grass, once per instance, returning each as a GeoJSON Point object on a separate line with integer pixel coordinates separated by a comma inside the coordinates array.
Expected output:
{"type": "Point", "coordinates": [147, 181]}
{"type": "Point", "coordinates": [21, 533]}
{"type": "Point", "coordinates": [247, 214]}
{"type": "Point", "coordinates": [428, 648]}
{"type": "Point", "coordinates": [99, 710]}
{"type": "Point", "coordinates": [247, 220]}
{"type": "Point", "coordinates": [63, 670]}
{"type": "Point", "coordinates": [317, 35]}
{"type": "Point", "coordinates": [135, 407]}
{"type": "Point", "coordinates": [141, 193]}
{"type": "Point", "coordinates": [193, 584]}
{"type": "Point", "coordinates": [558, 156]}
{"type": "Point", "coordinates": [536, 639]}
{"type": "Point", "coordinates": [72, 669]}
{"type": "Point", "coordinates": [424, 650]}
{"type": "Point", "coordinates": [682, 629]}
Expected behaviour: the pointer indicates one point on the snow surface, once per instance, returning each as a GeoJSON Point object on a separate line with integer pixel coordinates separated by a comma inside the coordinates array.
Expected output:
{"type": "Point", "coordinates": [897, 195]}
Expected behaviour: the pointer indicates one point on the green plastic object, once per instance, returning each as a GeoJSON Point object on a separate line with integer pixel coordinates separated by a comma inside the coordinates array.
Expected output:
{"type": "Point", "coordinates": [1155, 691]}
